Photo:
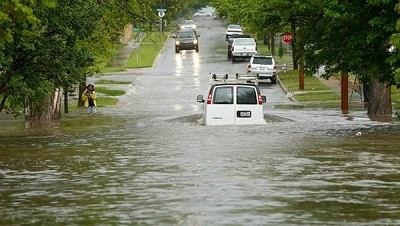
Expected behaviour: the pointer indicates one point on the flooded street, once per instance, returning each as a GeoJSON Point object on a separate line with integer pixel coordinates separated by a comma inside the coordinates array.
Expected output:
{"type": "Point", "coordinates": [149, 162]}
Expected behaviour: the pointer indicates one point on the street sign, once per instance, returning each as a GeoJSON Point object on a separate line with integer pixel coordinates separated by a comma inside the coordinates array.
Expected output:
{"type": "Point", "coordinates": [287, 38]}
{"type": "Point", "coordinates": [161, 14]}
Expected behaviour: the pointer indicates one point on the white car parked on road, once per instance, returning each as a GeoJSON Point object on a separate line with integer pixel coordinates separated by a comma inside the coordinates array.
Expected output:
{"type": "Point", "coordinates": [264, 67]}
{"type": "Point", "coordinates": [202, 13]}
{"type": "Point", "coordinates": [233, 29]}
{"type": "Point", "coordinates": [233, 104]}
{"type": "Point", "coordinates": [243, 48]}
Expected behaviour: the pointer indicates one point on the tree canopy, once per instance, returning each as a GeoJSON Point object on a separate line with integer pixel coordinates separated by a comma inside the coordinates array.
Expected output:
{"type": "Point", "coordinates": [48, 44]}
{"type": "Point", "coordinates": [351, 36]}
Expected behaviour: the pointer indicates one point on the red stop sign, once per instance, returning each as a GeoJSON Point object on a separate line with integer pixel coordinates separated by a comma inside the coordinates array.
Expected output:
{"type": "Point", "coordinates": [287, 37]}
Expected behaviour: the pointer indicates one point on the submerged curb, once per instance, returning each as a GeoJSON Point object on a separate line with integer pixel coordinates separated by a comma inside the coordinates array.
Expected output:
{"type": "Point", "coordinates": [288, 94]}
{"type": "Point", "coordinates": [159, 53]}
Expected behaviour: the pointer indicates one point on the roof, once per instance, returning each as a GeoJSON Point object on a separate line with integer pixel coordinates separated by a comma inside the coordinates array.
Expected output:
{"type": "Point", "coordinates": [239, 79]}
{"type": "Point", "coordinates": [260, 55]}
{"type": "Point", "coordinates": [234, 83]}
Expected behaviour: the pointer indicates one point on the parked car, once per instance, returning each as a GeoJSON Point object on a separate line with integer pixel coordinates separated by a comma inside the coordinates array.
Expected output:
{"type": "Point", "coordinates": [264, 67]}
{"type": "Point", "coordinates": [230, 41]}
{"type": "Point", "coordinates": [202, 14]}
{"type": "Point", "coordinates": [186, 40]}
{"type": "Point", "coordinates": [233, 104]}
{"type": "Point", "coordinates": [243, 48]}
{"type": "Point", "coordinates": [187, 24]}
{"type": "Point", "coordinates": [233, 29]}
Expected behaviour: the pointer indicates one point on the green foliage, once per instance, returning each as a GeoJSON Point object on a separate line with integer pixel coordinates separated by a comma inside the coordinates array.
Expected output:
{"type": "Point", "coordinates": [281, 50]}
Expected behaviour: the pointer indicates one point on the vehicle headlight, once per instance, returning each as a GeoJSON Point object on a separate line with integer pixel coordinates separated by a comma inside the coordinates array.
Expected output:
{"type": "Point", "coordinates": [177, 43]}
{"type": "Point", "coordinates": [195, 41]}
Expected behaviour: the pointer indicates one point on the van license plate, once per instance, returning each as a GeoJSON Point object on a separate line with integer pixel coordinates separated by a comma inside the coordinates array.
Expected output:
{"type": "Point", "coordinates": [244, 114]}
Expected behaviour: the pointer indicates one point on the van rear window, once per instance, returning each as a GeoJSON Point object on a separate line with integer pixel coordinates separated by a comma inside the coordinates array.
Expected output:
{"type": "Point", "coordinates": [223, 95]}
{"type": "Point", "coordinates": [246, 95]}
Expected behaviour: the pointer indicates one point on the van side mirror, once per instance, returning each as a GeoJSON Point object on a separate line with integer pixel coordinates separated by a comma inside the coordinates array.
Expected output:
{"type": "Point", "coordinates": [264, 99]}
{"type": "Point", "coordinates": [200, 99]}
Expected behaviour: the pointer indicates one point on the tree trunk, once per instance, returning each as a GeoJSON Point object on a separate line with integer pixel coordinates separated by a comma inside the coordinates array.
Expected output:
{"type": "Point", "coordinates": [65, 100]}
{"type": "Point", "coordinates": [301, 62]}
{"type": "Point", "coordinates": [345, 92]}
{"type": "Point", "coordinates": [301, 75]}
{"type": "Point", "coordinates": [272, 44]}
{"type": "Point", "coordinates": [82, 87]}
{"type": "Point", "coordinates": [380, 101]}
{"type": "Point", "coordinates": [3, 103]}
{"type": "Point", "coordinates": [294, 47]}
{"type": "Point", "coordinates": [44, 112]}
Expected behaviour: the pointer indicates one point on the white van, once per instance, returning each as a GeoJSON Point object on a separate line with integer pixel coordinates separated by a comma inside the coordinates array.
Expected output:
{"type": "Point", "coordinates": [233, 104]}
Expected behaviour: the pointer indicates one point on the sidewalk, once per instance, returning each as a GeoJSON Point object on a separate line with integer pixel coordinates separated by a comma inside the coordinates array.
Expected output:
{"type": "Point", "coordinates": [123, 54]}
{"type": "Point", "coordinates": [335, 84]}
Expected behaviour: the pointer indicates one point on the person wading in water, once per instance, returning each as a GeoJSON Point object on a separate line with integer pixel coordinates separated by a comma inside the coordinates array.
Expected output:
{"type": "Point", "coordinates": [89, 97]}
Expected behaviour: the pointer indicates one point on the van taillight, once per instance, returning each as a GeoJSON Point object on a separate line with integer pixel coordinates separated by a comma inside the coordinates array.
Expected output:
{"type": "Point", "coordinates": [260, 100]}
{"type": "Point", "coordinates": [209, 98]}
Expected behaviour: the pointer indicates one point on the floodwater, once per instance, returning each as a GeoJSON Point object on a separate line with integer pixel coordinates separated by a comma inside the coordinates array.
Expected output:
{"type": "Point", "coordinates": [149, 162]}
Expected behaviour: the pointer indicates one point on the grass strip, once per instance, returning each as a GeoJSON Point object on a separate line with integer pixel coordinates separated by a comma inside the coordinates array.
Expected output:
{"type": "Point", "coordinates": [145, 55]}
{"type": "Point", "coordinates": [105, 81]}
{"type": "Point", "coordinates": [396, 98]}
{"type": "Point", "coordinates": [109, 92]}
{"type": "Point", "coordinates": [263, 49]}
{"type": "Point", "coordinates": [314, 90]}
{"type": "Point", "coordinates": [291, 82]}
{"type": "Point", "coordinates": [106, 101]}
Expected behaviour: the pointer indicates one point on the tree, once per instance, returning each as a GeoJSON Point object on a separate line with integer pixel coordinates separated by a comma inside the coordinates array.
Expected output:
{"type": "Point", "coordinates": [345, 36]}
{"type": "Point", "coordinates": [354, 37]}
{"type": "Point", "coordinates": [47, 51]}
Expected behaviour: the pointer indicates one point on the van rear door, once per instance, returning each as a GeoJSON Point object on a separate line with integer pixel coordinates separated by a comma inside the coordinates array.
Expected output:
{"type": "Point", "coordinates": [219, 111]}
{"type": "Point", "coordinates": [248, 110]}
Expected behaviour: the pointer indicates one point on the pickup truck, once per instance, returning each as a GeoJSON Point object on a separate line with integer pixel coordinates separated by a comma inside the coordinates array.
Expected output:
{"type": "Point", "coordinates": [230, 41]}
{"type": "Point", "coordinates": [243, 48]}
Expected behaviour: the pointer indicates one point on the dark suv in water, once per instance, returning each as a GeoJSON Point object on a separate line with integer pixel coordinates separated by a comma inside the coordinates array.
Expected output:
{"type": "Point", "coordinates": [186, 40]}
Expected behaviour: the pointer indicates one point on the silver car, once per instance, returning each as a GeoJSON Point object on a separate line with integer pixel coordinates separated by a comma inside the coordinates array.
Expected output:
{"type": "Point", "coordinates": [264, 67]}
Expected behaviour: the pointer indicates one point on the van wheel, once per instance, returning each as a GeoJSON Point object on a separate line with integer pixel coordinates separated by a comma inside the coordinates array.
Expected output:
{"type": "Point", "coordinates": [229, 55]}
{"type": "Point", "coordinates": [176, 50]}
{"type": "Point", "coordinates": [233, 59]}
{"type": "Point", "coordinates": [197, 49]}
{"type": "Point", "coordinates": [273, 80]}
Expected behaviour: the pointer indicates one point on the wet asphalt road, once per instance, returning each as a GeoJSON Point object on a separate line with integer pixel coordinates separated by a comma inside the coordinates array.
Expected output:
{"type": "Point", "coordinates": [148, 161]}
{"type": "Point", "coordinates": [176, 79]}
